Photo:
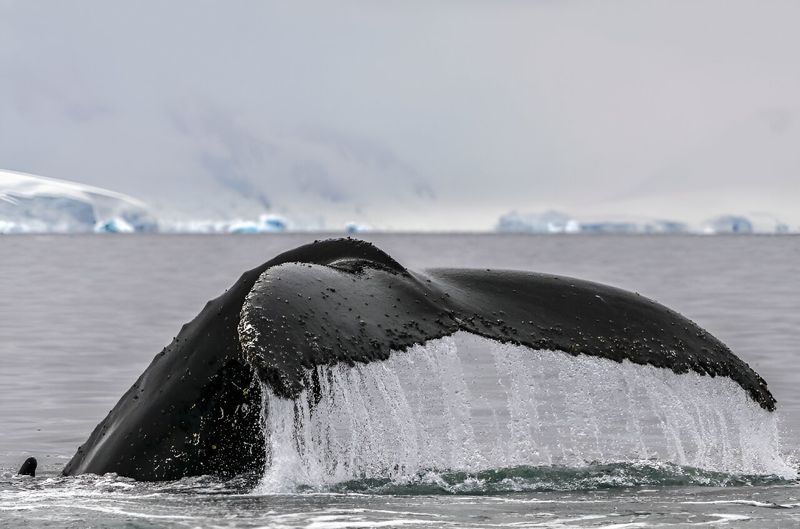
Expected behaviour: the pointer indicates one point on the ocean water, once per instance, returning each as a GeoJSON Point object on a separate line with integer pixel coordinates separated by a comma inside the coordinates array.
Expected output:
{"type": "Point", "coordinates": [521, 440]}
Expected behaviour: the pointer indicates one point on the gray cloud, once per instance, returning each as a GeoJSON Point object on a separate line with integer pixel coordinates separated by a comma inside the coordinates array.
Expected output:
{"type": "Point", "coordinates": [412, 114]}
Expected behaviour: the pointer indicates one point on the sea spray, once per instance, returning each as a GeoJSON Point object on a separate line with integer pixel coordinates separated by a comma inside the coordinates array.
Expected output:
{"type": "Point", "coordinates": [465, 403]}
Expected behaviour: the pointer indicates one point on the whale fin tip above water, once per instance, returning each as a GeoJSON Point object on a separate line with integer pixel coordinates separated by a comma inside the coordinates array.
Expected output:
{"type": "Point", "coordinates": [28, 468]}
{"type": "Point", "coordinates": [197, 408]}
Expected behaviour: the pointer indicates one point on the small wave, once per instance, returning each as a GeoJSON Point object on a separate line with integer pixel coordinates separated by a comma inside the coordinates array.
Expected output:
{"type": "Point", "coordinates": [552, 478]}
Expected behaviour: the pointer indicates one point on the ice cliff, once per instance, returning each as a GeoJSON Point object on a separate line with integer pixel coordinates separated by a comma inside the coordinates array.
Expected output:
{"type": "Point", "coordinates": [35, 204]}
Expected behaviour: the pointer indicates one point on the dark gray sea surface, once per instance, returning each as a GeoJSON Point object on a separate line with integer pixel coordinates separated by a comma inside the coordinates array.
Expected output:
{"type": "Point", "coordinates": [82, 316]}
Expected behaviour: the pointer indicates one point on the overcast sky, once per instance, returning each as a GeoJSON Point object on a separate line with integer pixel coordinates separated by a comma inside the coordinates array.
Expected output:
{"type": "Point", "coordinates": [410, 114]}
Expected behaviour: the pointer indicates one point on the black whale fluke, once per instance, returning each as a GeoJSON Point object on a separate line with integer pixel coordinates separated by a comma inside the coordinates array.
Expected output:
{"type": "Point", "coordinates": [28, 468]}
{"type": "Point", "coordinates": [196, 409]}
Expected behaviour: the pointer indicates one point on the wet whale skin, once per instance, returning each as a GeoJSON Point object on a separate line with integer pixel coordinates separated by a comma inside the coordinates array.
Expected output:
{"type": "Point", "coordinates": [196, 410]}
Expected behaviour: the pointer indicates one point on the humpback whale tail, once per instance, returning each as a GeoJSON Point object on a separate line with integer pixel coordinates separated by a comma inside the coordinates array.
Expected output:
{"type": "Point", "coordinates": [332, 362]}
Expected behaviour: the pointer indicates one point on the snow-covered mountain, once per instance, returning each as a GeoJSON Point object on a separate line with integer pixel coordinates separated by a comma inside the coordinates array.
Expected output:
{"type": "Point", "coordinates": [35, 204]}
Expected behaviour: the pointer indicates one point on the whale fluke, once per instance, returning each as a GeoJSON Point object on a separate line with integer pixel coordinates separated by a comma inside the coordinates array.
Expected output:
{"type": "Point", "coordinates": [197, 409]}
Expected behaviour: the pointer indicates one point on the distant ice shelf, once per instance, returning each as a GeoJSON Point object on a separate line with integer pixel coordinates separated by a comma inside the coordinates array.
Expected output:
{"type": "Point", "coordinates": [558, 222]}
{"type": "Point", "coordinates": [35, 204]}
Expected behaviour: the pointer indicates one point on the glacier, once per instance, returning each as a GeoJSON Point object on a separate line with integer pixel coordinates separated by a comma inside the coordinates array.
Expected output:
{"type": "Point", "coordinates": [36, 204]}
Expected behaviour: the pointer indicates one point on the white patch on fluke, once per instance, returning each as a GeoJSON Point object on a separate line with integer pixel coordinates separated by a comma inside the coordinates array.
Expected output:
{"type": "Point", "coordinates": [468, 403]}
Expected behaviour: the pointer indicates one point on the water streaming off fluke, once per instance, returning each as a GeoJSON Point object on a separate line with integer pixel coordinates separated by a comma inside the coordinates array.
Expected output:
{"type": "Point", "coordinates": [465, 403]}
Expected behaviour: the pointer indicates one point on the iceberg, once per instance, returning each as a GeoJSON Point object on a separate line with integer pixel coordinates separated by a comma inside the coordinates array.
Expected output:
{"type": "Point", "coordinates": [728, 224]}
{"type": "Point", "coordinates": [243, 226]}
{"type": "Point", "coordinates": [192, 226]}
{"type": "Point", "coordinates": [557, 222]}
{"type": "Point", "coordinates": [609, 227]}
{"type": "Point", "coordinates": [265, 224]}
{"type": "Point", "coordinates": [273, 223]}
{"type": "Point", "coordinates": [35, 204]}
{"type": "Point", "coordinates": [768, 223]}
{"type": "Point", "coordinates": [115, 225]}
{"type": "Point", "coordinates": [352, 228]}
{"type": "Point", "coordinates": [666, 226]}
{"type": "Point", "coordinates": [547, 222]}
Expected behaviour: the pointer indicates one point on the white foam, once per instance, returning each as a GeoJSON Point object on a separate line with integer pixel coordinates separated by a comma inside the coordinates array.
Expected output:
{"type": "Point", "coordinates": [468, 403]}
